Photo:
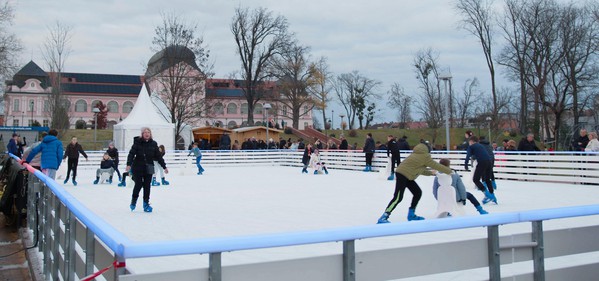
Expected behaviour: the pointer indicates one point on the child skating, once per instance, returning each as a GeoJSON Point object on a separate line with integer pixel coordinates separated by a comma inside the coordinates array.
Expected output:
{"type": "Point", "coordinates": [405, 177]}
{"type": "Point", "coordinates": [198, 155]}
{"type": "Point", "coordinates": [460, 189]}
{"type": "Point", "coordinates": [317, 164]}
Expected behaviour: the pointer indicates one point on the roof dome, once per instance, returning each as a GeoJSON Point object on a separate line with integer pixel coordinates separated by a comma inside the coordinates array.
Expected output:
{"type": "Point", "coordinates": [170, 56]}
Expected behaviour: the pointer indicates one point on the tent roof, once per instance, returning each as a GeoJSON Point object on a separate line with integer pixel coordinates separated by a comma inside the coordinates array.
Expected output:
{"type": "Point", "coordinates": [144, 113]}
{"type": "Point", "coordinates": [256, 128]}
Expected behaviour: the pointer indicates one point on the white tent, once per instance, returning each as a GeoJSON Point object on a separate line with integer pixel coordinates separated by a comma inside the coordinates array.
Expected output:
{"type": "Point", "coordinates": [143, 114]}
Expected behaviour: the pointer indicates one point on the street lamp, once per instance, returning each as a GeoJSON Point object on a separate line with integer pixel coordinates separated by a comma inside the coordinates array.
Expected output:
{"type": "Point", "coordinates": [341, 125]}
{"type": "Point", "coordinates": [267, 107]}
{"type": "Point", "coordinates": [332, 119]}
{"type": "Point", "coordinates": [95, 111]}
{"type": "Point", "coordinates": [446, 77]}
{"type": "Point", "coordinates": [489, 122]}
{"type": "Point", "coordinates": [31, 113]}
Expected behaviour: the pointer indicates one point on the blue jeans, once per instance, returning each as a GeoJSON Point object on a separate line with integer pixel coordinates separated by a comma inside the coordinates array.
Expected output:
{"type": "Point", "coordinates": [200, 169]}
{"type": "Point", "coordinates": [51, 173]}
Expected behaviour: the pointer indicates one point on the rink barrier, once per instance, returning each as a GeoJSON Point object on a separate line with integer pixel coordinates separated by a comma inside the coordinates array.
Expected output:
{"type": "Point", "coordinates": [75, 242]}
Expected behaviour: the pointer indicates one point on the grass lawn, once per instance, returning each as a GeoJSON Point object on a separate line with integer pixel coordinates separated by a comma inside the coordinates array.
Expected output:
{"type": "Point", "coordinates": [86, 138]}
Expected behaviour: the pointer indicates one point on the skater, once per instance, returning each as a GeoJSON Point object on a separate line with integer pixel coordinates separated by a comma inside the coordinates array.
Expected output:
{"type": "Point", "coordinates": [405, 177]}
{"type": "Point", "coordinates": [393, 150]}
{"type": "Point", "coordinates": [123, 181]}
{"type": "Point", "coordinates": [460, 189]}
{"type": "Point", "coordinates": [159, 169]}
{"type": "Point", "coordinates": [485, 143]}
{"type": "Point", "coordinates": [113, 152]}
{"type": "Point", "coordinates": [306, 158]}
{"type": "Point", "coordinates": [106, 166]}
{"type": "Point", "coordinates": [141, 162]}
{"type": "Point", "coordinates": [316, 164]}
{"type": "Point", "coordinates": [483, 168]}
{"type": "Point", "coordinates": [72, 152]}
{"type": "Point", "coordinates": [369, 151]}
{"type": "Point", "coordinates": [51, 150]}
{"type": "Point", "coordinates": [198, 155]}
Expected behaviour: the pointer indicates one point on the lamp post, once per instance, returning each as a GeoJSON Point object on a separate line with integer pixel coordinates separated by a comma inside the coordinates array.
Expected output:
{"type": "Point", "coordinates": [95, 111]}
{"type": "Point", "coordinates": [332, 119]}
{"type": "Point", "coordinates": [341, 125]}
{"type": "Point", "coordinates": [267, 107]}
{"type": "Point", "coordinates": [22, 118]}
{"type": "Point", "coordinates": [489, 119]}
{"type": "Point", "coordinates": [446, 77]}
{"type": "Point", "coordinates": [32, 104]}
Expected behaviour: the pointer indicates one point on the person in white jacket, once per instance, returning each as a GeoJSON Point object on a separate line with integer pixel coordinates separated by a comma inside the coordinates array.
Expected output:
{"type": "Point", "coordinates": [317, 164]}
{"type": "Point", "coordinates": [593, 145]}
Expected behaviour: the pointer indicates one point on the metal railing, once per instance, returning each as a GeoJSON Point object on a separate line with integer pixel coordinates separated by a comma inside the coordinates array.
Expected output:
{"type": "Point", "coordinates": [65, 225]}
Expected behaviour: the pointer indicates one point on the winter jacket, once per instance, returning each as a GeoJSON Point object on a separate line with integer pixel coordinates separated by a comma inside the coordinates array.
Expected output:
{"type": "Point", "coordinates": [392, 148]}
{"type": "Point", "coordinates": [489, 148]}
{"type": "Point", "coordinates": [51, 149]}
{"type": "Point", "coordinates": [37, 160]}
{"type": "Point", "coordinates": [417, 162]}
{"type": "Point", "coordinates": [144, 152]}
{"type": "Point", "coordinates": [114, 154]}
{"type": "Point", "coordinates": [478, 152]}
{"type": "Point", "coordinates": [583, 140]}
{"type": "Point", "coordinates": [73, 150]}
{"type": "Point", "coordinates": [107, 164]}
{"type": "Point", "coordinates": [369, 146]}
{"type": "Point", "coordinates": [344, 145]}
{"type": "Point", "coordinates": [12, 147]}
{"type": "Point", "coordinates": [526, 145]}
{"type": "Point", "coordinates": [456, 182]}
{"type": "Point", "coordinates": [403, 144]}
{"type": "Point", "coordinates": [225, 142]}
{"type": "Point", "coordinates": [196, 152]}
{"type": "Point", "coordinates": [306, 156]}
{"type": "Point", "coordinates": [593, 146]}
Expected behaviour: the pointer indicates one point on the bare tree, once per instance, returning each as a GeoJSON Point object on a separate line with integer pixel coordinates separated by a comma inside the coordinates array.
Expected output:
{"type": "Point", "coordinates": [431, 101]}
{"type": "Point", "coordinates": [56, 50]}
{"type": "Point", "coordinates": [350, 88]}
{"type": "Point", "coordinates": [478, 19]}
{"type": "Point", "coordinates": [180, 68]}
{"type": "Point", "coordinates": [320, 85]}
{"type": "Point", "coordinates": [402, 103]}
{"type": "Point", "coordinates": [466, 104]}
{"type": "Point", "coordinates": [293, 71]}
{"type": "Point", "coordinates": [259, 35]}
{"type": "Point", "coordinates": [10, 45]}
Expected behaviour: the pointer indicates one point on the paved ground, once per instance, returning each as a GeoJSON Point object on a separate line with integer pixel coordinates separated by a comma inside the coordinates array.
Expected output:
{"type": "Point", "coordinates": [13, 267]}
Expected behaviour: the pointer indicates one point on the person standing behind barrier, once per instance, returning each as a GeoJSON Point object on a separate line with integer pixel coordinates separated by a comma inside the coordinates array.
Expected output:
{"type": "Point", "coordinates": [593, 145]}
{"type": "Point", "coordinates": [405, 177]}
{"type": "Point", "coordinates": [482, 170]}
{"type": "Point", "coordinates": [393, 150]}
{"type": "Point", "coordinates": [197, 153]}
{"type": "Point", "coordinates": [581, 142]}
{"type": "Point", "coordinates": [72, 153]}
{"type": "Point", "coordinates": [159, 169]}
{"type": "Point", "coordinates": [51, 150]}
{"type": "Point", "coordinates": [113, 152]}
{"type": "Point", "coordinates": [13, 147]}
{"type": "Point", "coordinates": [21, 144]}
{"type": "Point", "coordinates": [306, 158]}
{"type": "Point", "coordinates": [368, 149]}
{"type": "Point", "coordinates": [36, 162]}
{"type": "Point", "coordinates": [141, 162]}
{"type": "Point", "coordinates": [403, 144]}
{"type": "Point", "coordinates": [225, 142]}
{"type": "Point", "coordinates": [344, 145]}
{"type": "Point", "coordinates": [528, 144]}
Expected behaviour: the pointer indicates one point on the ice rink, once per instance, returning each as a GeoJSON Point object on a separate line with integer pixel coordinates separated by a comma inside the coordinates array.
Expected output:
{"type": "Point", "coordinates": [239, 201]}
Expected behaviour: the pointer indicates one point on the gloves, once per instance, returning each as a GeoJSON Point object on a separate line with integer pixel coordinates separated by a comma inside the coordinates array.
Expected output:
{"type": "Point", "coordinates": [463, 202]}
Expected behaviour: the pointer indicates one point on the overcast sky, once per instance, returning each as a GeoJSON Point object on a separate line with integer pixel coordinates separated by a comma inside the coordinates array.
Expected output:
{"type": "Point", "coordinates": [378, 38]}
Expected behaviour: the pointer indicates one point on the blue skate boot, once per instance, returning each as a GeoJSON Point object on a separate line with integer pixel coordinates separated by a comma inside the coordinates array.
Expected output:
{"type": "Point", "coordinates": [164, 182]}
{"type": "Point", "coordinates": [480, 210]}
{"type": "Point", "coordinates": [489, 197]}
{"type": "Point", "coordinates": [391, 177]}
{"type": "Point", "coordinates": [384, 218]}
{"type": "Point", "coordinates": [147, 207]}
{"type": "Point", "coordinates": [74, 182]}
{"type": "Point", "coordinates": [154, 182]}
{"type": "Point", "coordinates": [97, 180]}
{"type": "Point", "coordinates": [132, 205]}
{"type": "Point", "coordinates": [412, 215]}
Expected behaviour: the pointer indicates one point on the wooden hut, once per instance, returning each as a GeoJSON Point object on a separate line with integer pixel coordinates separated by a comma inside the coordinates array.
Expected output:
{"type": "Point", "coordinates": [211, 135]}
{"type": "Point", "coordinates": [258, 132]}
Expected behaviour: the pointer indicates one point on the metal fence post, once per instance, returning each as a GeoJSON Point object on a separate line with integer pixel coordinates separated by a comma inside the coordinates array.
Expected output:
{"type": "Point", "coordinates": [69, 251]}
{"type": "Point", "coordinates": [349, 260]}
{"type": "Point", "coordinates": [56, 245]}
{"type": "Point", "coordinates": [214, 268]}
{"type": "Point", "coordinates": [493, 250]}
{"type": "Point", "coordinates": [47, 228]}
{"type": "Point", "coordinates": [538, 252]}
{"type": "Point", "coordinates": [90, 241]}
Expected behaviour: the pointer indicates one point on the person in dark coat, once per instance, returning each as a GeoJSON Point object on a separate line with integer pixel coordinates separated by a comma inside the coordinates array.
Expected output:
{"type": "Point", "coordinates": [12, 146]}
{"type": "Point", "coordinates": [403, 144]}
{"type": "Point", "coordinates": [113, 152]}
{"type": "Point", "coordinates": [528, 144]}
{"type": "Point", "coordinates": [22, 144]}
{"type": "Point", "coordinates": [72, 152]}
{"type": "Point", "coordinates": [140, 162]}
{"type": "Point", "coordinates": [393, 151]}
{"type": "Point", "coordinates": [581, 142]}
{"type": "Point", "coordinates": [482, 170]}
{"type": "Point", "coordinates": [306, 158]}
{"type": "Point", "coordinates": [51, 149]}
{"type": "Point", "coordinates": [344, 145]}
{"type": "Point", "coordinates": [368, 149]}
{"type": "Point", "coordinates": [225, 142]}
{"type": "Point", "coordinates": [106, 166]}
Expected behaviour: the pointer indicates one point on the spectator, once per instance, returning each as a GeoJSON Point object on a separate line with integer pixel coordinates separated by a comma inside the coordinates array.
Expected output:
{"type": "Point", "coordinates": [465, 144]}
{"type": "Point", "coordinates": [580, 143]}
{"type": "Point", "coordinates": [106, 166]}
{"type": "Point", "coordinates": [12, 146]}
{"type": "Point", "coordinates": [225, 142]}
{"type": "Point", "coordinates": [22, 144]}
{"type": "Point", "coordinates": [72, 152]}
{"type": "Point", "coordinates": [235, 145]}
{"type": "Point", "coordinates": [593, 145]}
{"type": "Point", "coordinates": [332, 145]}
{"type": "Point", "coordinates": [344, 145]}
{"type": "Point", "coordinates": [282, 143]}
{"type": "Point", "coordinates": [51, 149]}
{"type": "Point", "coordinates": [511, 145]}
{"type": "Point", "coordinates": [403, 143]}
{"type": "Point", "coordinates": [37, 160]}
{"type": "Point", "coordinates": [528, 144]}
{"type": "Point", "coordinates": [368, 149]}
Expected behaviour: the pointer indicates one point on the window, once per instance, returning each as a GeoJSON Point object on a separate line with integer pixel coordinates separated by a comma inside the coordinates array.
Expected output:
{"type": "Point", "coordinates": [113, 106]}
{"type": "Point", "coordinates": [231, 108]}
{"type": "Point", "coordinates": [81, 106]}
{"type": "Point", "coordinates": [306, 109]}
{"type": "Point", "coordinates": [258, 108]}
{"type": "Point", "coordinates": [218, 108]}
{"type": "Point", "coordinates": [30, 122]}
{"type": "Point", "coordinates": [284, 111]}
{"type": "Point", "coordinates": [32, 85]}
{"type": "Point", "coordinates": [46, 123]}
{"type": "Point", "coordinates": [232, 124]}
{"type": "Point", "coordinates": [244, 108]}
{"type": "Point", "coordinates": [46, 106]}
{"type": "Point", "coordinates": [16, 105]}
{"type": "Point", "coordinates": [31, 105]}
{"type": "Point", "coordinates": [127, 107]}
{"type": "Point", "coordinates": [15, 122]}
{"type": "Point", "coordinates": [66, 104]}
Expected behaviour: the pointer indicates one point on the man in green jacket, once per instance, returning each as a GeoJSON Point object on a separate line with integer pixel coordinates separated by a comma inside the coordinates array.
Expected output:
{"type": "Point", "coordinates": [405, 176]}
